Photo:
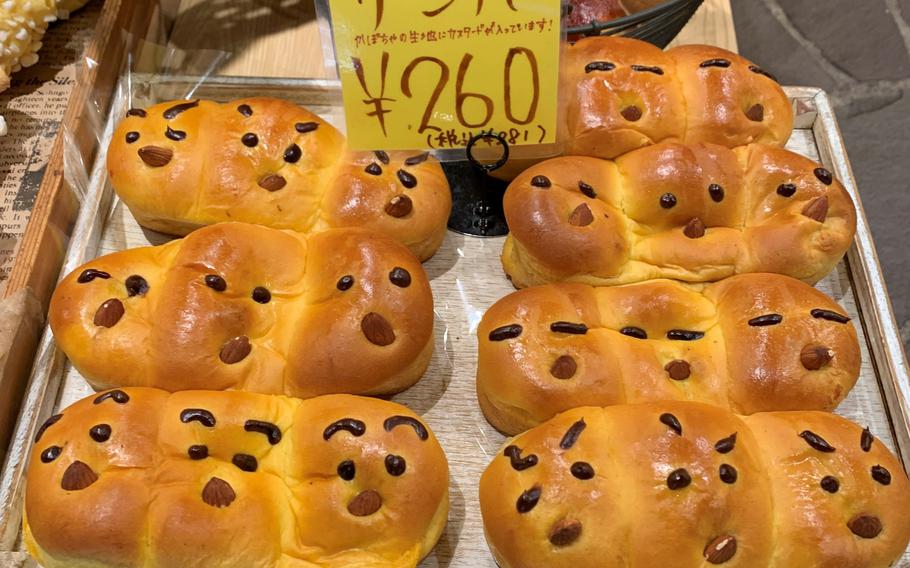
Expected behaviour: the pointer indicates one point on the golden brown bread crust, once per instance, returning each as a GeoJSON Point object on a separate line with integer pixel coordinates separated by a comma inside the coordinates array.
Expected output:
{"type": "Point", "coordinates": [628, 346]}
{"type": "Point", "coordinates": [626, 94]}
{"type": "Point", "coordinates": [145, 495]}
{"type": "Point", "coordinates": [692, 212]}
{"type": "Point", "coordinates": [620, 94]}
{"type": "Point", "coordinates": [218, 162]}
{"type": "Point", "coordinates": [631, 492]}
{"type": "Point", "coordinates": [342, 310]}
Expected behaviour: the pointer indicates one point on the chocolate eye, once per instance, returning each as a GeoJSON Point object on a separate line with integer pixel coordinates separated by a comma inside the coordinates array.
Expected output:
{"type": "Point", "coordinates": [198, 452]}
{"type": "Point", "coordinates": [346, 470]}
{"type": "Point", "coordinates": [261, 295]}
{"type": "Point", "coordinates": [395, 465]}
{"type": "Point", "coordinates": [830, 484]}
{"type": "Point", "coordinates": [292, 154]}
{"type": "Point", "coordinates": [50, 454]}
{"type": "Point", "coordinates": [528, 499]}
{"type": "Point", "coordinates": [245, 462]}
{"type": "Point", "coordinates": [100, 433]}
{"type": "Point", "coordinates": [636, 332]}
{"type": "Point", "coordinates": [345, 282]}
{"type": "Point", "coordinates": [132, 137]}
{"type": "Point", "coordinates": [136, 286]}
{"type": "Point", "coordinates": [582, 470]}
{"type": "Point", "coordinates": [881, 475]}
{"type": "Point", "coordinates": [668, 201]}
{"type": "Point", "coordinates": [249, 140]}
{"type": "Point", "coordinates": [400, 277]}
{"type": "Point", "coordinates": [716, 192]}
{"type": "Point", "coordinates": [728, 473]}
{"type": "Point", "coordinates": [215, 282]}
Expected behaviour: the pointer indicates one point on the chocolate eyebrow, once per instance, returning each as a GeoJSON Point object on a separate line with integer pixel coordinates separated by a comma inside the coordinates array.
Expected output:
{"type": "Point", "coordinates": [648, 69]}
{"type": "Point", "coordinates": [718, 62]}
{"type": "Point", "coordinates": [572, 434]}
{"type": "Point", "coordinates": [414, 160]}
{"type": "Point", "coordinates": [271, 431]}
{"type": "Point", "coordinates": [352, 425]}
{"type": "Point", "coordinates": [519, 463]}
{"type": "Point", "coordinates": [200, 415]}
{"type": "Point", "coordinates": [684, 335]}
{"type": "Point", "coordinates": [116, 395]}
{"type": "Point", "coordinates": [394, 421]}
{"type": "Point", "coordinates": [47, 424]}
{"type": "Point", "coordinates": [760, 71]}
{"type": "Point", "coordinates": [569, 327]}
{"type": "Point", "coordinates": [819, 313]}
{"type": "Point", "coordinates": [766, 320]}
{"type": "Point", "coordinates": [599, 66]}
{"type": "Point", "coordinates": [178, 108]}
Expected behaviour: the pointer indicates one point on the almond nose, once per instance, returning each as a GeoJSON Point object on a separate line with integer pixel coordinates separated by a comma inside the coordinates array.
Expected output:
{"type": "Point", "coordinates": [365, 504]}
{"type": "Point", "coordinates": [565, 532]}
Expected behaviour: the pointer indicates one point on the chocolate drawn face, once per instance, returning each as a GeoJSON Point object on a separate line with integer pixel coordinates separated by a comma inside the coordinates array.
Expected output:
{"type": "Point", "coordinates": [376, 474]}
{"type": "Point", "coordinates": [624, 98]}
{"type": "Point", "coordinates": [551, 348]}
{"type": "Point", "coordinates": [228, 457]}
{"type": "Point", "coordinates": [572, 475]}
{"type": "Point", "coordinates": [344, 290]}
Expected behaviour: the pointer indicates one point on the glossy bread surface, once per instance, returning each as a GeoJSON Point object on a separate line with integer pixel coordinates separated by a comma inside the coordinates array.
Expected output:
{"type": "Point", "coordinates": [182, 164]}
{"type": "Point", "coordinates": [237, 306]}
{"type": "Point", "coordinates": [625, 93]}
{"type": "Point", "coordinates": [691, 212]}
{"type": "Point", "coordinates": [691, 485]}
{"type": "Point", "coordinates": [141, 477]}
{"type": "Point", "coordinates": [750, 343]}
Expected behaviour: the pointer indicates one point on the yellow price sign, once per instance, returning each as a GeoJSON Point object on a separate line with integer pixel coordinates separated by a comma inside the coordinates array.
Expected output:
{"type": "Point", "coordinates": [433, 73]}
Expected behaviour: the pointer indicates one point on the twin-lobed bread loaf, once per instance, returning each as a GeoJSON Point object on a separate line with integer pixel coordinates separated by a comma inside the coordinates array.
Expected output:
{"type": "Point", "coordinates": [690, 485]}
{"type": "Point", "coordinates": [179, 165]}
{"type": "Point", "coordinates": [623, 94]}
{"type": "Point", "coordinates": [237, 306]}
{"type": "Point", "coordinates": [200, 479]}
{"type": "Point", "coordinates": [620, 94]}
{"type": "Point", "coordinates": [691, 212]}
{"type": "Point", "coordinates": [750, 343]}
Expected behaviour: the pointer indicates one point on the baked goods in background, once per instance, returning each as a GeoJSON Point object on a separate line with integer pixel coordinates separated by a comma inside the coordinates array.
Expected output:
{"type": "Point", "coordinates": [238, 306]}
{"type": "Point", "coordinates": [140, 477]}
{"type": "Point", "coordinates": [582, 12]}
{"type": "Point", "coordinates": [22, 26]}
{"type": "Point", "coordinates": [691, 485]}
{"type": "Point", "coordinates": [750, 343]}
{"type": "Point", "coordinates": [691, 212]}
{"type": "Point", "coordinates": [623, 94]}
{"type": "Point", "coordinates": [619, 94]}
{"type": "Point", "coordinates": [179, 165]}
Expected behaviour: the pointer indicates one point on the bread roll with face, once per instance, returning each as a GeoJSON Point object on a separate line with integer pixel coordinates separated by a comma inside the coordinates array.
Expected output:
{"type": "Point", "coordinates": [621, 94]}
{"type": "Point", "coordinates": [140, 477]}
{"type": "Point", "coordinates": [237, 306]}
{"type": "Point", "coordinates": [180, 165]}
{"type": "Point", "coordinates": [690, 485]}
{"type": "Point", "coordinates": [750, 343]}
{"type": "Point", "coordinates": [691, 212]}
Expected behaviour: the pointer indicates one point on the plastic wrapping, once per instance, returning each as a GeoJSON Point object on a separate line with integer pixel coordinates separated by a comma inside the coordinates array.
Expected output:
{"type": "Point", "coordinates": [466, 278]}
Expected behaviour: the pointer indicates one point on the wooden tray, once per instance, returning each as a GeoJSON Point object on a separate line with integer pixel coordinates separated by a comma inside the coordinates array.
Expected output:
{"type": "Point", "coordinates": [466, 278]}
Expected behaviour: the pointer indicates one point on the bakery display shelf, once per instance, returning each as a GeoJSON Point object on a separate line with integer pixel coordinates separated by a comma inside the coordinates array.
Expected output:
{"type": "Point", "coordinates": [466, 278]}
